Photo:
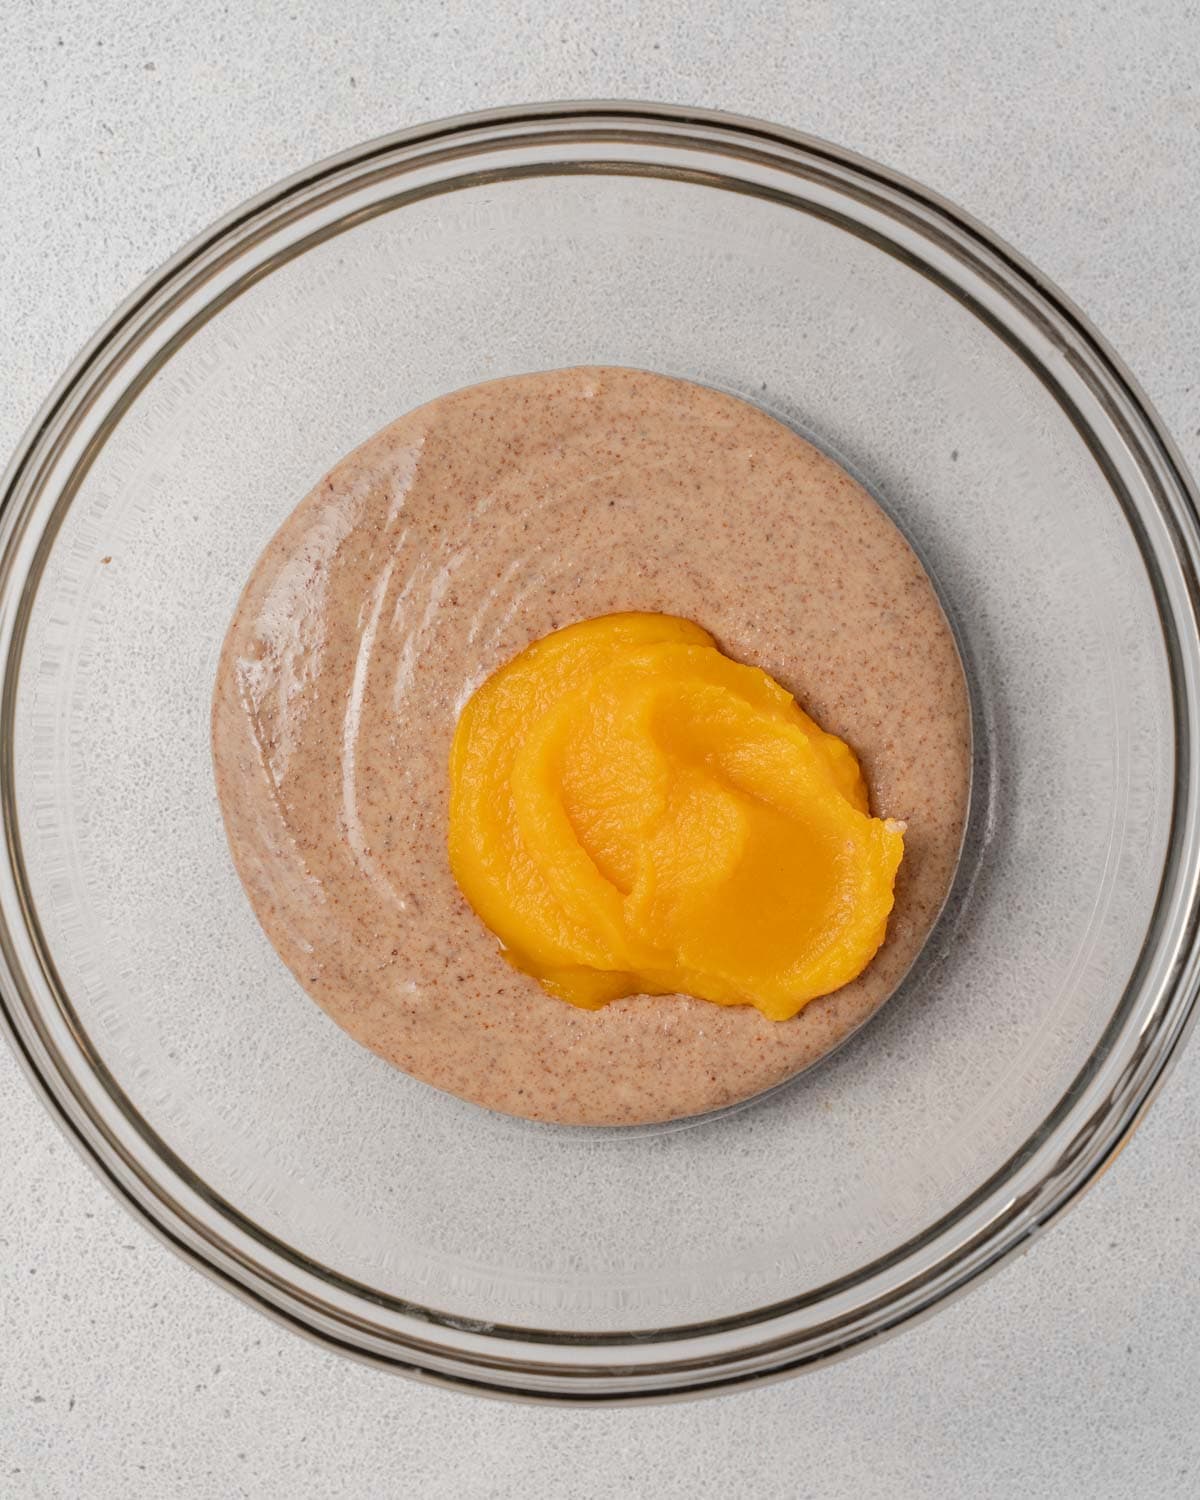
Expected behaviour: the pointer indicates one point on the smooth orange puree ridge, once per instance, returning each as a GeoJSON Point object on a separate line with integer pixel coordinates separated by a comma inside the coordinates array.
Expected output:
{"type": "Point", "coordinates": [631, 812]}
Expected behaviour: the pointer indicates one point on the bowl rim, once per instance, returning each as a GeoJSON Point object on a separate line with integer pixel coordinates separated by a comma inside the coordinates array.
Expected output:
{"type": "Point", "coordinates": [1096, 1115]}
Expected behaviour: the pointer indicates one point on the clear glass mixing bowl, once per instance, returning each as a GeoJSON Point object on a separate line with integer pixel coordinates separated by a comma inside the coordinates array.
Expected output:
{"type": "Point", "coordinates": [405, 1226]}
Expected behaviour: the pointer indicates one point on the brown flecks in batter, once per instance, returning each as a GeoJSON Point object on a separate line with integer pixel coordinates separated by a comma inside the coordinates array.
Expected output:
{"type": "Point", "coordinates": [434, 553]}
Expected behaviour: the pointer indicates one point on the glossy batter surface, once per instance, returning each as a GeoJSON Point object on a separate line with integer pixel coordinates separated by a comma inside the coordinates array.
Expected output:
{"type": "Point", "coordinates": [437, 551]}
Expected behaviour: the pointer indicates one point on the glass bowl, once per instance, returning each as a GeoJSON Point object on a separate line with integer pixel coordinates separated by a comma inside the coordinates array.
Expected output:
{"type": "Point", "coordinates": [405, 1226]}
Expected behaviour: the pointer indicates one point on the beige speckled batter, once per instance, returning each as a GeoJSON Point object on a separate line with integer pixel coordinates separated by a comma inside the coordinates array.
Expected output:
{"type": "Point", "coordinates": [438, 550]}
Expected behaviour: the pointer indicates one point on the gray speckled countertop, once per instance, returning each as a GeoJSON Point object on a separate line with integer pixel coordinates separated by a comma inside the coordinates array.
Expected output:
{"type": "Point", "coordinates": [1072, 130]}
